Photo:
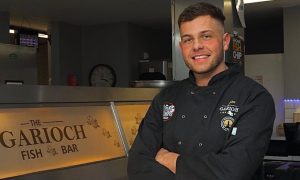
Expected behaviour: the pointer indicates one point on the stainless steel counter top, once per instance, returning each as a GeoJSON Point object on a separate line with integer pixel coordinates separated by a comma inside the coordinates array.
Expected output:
{"type": "Point", "coordinates": [35, 94]}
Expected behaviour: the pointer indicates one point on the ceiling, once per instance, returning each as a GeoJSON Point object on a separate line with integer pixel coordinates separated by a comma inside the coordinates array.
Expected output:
{"type": "Point", "coordinates": [37, 14]}
{"type": "Point", "coordinates": [268, 8]}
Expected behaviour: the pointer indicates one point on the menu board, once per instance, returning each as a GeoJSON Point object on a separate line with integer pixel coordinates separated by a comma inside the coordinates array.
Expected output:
{"type": "Point", "coordinates": [131, 116]}
{"type": "Point", "coordinates": [38, 139]}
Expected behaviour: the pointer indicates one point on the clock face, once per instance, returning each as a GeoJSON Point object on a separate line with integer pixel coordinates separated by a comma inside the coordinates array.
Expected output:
{"type": "Point", "coordinates": [102, 75]}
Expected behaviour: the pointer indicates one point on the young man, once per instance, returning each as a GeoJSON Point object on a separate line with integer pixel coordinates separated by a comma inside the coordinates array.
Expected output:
{"type": "Point", "coordinates": [214, 125]}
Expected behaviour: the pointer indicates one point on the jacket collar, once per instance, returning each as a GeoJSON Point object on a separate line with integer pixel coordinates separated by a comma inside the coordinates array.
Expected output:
{"type": "Point", "coordinates": [228, 73]}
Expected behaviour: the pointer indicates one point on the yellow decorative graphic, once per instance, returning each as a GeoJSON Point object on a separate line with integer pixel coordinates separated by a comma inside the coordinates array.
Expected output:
{"type": "Point", "coordinates": [117, 143]}
{"type": "Point", "coordinates": [106, 133]}
{"type": "Point", "coordinates": [92, 121]}
{"type": "Point", "coordinates": [51, 150]}
{"type": "Point", "coordinates": [131, 116]}
{"type": "Point", "coordinates": [138, 118]}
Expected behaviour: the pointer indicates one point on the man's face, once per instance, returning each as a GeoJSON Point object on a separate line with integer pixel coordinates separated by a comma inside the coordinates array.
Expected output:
{"type": "Point", "coordinates": [203, 43]}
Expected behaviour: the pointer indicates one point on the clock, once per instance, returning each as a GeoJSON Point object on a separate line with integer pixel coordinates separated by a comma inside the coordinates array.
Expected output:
{"type": "Point", "coordinates": [102, 75]}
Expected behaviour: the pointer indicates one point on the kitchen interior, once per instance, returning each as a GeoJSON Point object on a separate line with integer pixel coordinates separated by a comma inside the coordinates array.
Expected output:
{"type": "Point", "coordinates": [62, 45]}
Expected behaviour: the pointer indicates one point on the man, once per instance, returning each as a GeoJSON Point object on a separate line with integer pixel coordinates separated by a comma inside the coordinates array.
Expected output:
{"type": "Point", "coordinates": [214, 125]}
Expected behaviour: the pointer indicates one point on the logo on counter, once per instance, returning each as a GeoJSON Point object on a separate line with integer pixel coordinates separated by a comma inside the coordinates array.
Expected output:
{"type": "Point", "coordinates": [168, 111]}
{"type": "Point", "coordinates": [56, 137]}
{"type": "Point", "coordinates": [37, 135]}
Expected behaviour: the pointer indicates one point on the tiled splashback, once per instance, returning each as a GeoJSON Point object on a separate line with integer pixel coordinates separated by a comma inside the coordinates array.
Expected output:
{"type": "Point", "coordinates": [292, 110]}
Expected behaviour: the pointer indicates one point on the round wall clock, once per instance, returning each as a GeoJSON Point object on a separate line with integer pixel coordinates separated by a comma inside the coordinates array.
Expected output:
{"type": "Point", "coordinates": [102, 75]}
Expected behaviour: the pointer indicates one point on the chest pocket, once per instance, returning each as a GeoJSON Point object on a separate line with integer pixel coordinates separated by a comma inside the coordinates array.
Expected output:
{"type": "Point", "coordinates": [180, 130]}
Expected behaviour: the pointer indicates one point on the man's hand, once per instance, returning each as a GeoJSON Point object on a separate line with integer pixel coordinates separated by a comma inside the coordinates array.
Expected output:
{"type": "Point", "coordinates": [167, 159]}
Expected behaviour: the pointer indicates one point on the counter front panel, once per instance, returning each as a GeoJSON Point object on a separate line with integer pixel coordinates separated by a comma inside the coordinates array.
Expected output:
{"type": "Point", "coordinates": [44, 138]}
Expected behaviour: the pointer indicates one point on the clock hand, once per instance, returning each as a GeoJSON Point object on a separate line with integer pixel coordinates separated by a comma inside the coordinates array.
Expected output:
{"type": "Point", "coordinates": [105, 80]}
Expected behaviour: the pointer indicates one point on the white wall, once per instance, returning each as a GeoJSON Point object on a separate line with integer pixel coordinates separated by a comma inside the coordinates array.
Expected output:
{"type": "Point", "coordinates": [291, 58]}
{"type": "Point", "coordinates": [269, 68]}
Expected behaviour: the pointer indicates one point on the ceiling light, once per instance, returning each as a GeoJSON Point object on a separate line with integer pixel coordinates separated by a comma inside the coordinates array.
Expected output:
{"type": "Point", "coordinates": [254, 1]}
{"type": "Point", "coordinates": [12, 31]}
{"type": "Point", "coordinates": [43, 35]}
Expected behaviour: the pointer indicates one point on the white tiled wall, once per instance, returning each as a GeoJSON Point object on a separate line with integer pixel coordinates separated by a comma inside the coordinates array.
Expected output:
{"type": "Point", "coordinates": [290, 106]}
{"type": "Point", "coordinates": [269, 68]}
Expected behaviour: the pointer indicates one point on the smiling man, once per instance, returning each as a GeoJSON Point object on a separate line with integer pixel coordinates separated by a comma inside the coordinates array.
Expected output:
{"type": "Point", "coordinates": [214, 125]}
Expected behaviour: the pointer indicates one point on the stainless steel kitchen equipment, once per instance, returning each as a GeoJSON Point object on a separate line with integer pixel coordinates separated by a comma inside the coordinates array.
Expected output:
{"type": "Point", "coordinates": [18, 64]}
{"type": "Point", "coordinates": [155, 70]}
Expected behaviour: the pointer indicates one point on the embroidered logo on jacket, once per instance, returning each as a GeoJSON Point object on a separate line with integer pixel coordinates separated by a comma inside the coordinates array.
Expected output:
{"type": "Point", "coordinates": [168, 111]}
{"type": "Point", "coordinates": [226, 123]}
{"type": "Point", "coordinates": [230, 110]}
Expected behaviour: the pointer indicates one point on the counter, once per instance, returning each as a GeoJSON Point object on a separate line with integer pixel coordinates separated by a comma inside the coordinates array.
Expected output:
{"type": "Point", "coordinates": [61, 132]}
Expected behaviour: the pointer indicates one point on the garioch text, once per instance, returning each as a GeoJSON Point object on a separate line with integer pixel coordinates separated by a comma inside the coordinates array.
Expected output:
{"type": "Point", "coordinates": [36, 135]}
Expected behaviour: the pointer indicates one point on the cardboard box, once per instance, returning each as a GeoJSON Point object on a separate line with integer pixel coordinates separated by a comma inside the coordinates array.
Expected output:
{"type": "Point", "coordinates": [296, 116]}
{"type": "Point", "coordinates": [280, 130]}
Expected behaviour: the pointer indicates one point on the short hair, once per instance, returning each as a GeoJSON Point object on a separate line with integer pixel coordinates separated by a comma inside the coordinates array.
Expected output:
{"type": "Point", "coordinates": [201, 9]}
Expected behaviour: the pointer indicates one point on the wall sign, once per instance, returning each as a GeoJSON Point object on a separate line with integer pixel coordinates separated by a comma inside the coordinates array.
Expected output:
{"type": "Point", "coordinates": [236, 52]}
{"type": "Point", "coordinates": [237, 49]}
{"type": "Point", "coordinates": [39, 139]}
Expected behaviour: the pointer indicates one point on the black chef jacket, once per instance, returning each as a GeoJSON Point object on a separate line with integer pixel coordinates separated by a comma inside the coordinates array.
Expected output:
{"type": "Point", "coordinates": [221, 131]}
